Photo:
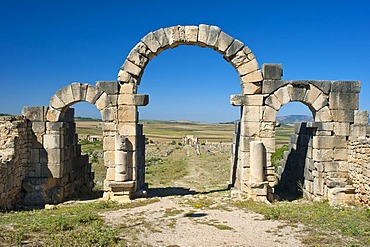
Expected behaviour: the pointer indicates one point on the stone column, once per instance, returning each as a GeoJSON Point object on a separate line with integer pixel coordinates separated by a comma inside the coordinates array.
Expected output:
{"type": "Point", "coordinates": [120, 156]}
{"type": "Point", "coordinates": [257, 160]}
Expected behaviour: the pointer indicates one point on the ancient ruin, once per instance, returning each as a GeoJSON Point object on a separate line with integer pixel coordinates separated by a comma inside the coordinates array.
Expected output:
{"type": "Point", "coordinates": [41, 161]}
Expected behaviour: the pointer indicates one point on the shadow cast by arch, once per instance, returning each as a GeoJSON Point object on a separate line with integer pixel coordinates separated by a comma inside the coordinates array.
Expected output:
{"type": "Point", "coordinates": [291, 184]}
{"type": "Point", "coordinates": [177, 191]}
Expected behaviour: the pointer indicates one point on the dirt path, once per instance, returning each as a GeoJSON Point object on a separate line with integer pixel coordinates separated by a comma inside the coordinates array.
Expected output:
{"type": "Point", "coordinates": [193, 221]}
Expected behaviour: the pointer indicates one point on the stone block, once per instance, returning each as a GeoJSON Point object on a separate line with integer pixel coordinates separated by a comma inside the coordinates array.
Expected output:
{"type": "Point", "coordinates": [172, 35]}
{"type": "Point", "coordinates": [320, 102]}
{"type": "Point", "coordinates": [66, 95]}
{"type": "Point", "coordinates": [55, 170]}
{"type": "Point", "coordinates": [102, 102]}
{"type": "Point", "coordinates": [270, 86]}
{"type": "Point", "coordinates": [127, 114]}
{"type": "Point", "coordinates": [323, 115]}
{"type": "Point", "coordinates": [357, 131]}
{"type": "Point", "coordinates": [322, 154]}
{"type": "Point", "coordinates": [109, 114]}
{"type": "Point", "coordinates": [162, 39]}
{"type": "Point", "coordinates": [144, 50]}
{"type": "Point", "coordinates": [128, 88]}
{"type": "Point", "coordinates": [318, 186]}
{"type": "Point", "coordinates": [343, 101]}
{"type": "Point", "coordinates": [52, 141]}
{"type": "Point", "coordinates": [267, 129]}
{"type": "Point", "coordinates": [132, 68]}
{"type": "Point", "coordinates": [56, 103]}
{"type": "Point", "coordinates": [110, 174]}
{"type": "Point", "coordinates": [251, 113]}
{"type": "Point", "coordinates": [213, 34]}
{"type": "Point", "coordinates": [324, 86]}
{"type": "Point", "coordinates": [92, 94]}
{"type": "Point", "coordinates": [224, 41]}
{"type": "Point", "coordinates": [79, 91]}
{"type": "Point", "coordinates": [249, 129]}
{"type": "Point", "coordinates": [152, 43]}
{"type": "Point", "coordinates": [341, 129]}
{"type": "Point", "coordinates": [54, 156]}
{"type": "Point", "coordinates": [273, 102]}
{"type": "Point", "coordinates": [38, 127]}
{"type": "Point", "coordinates": [282, 94]}
{"type": "Point", "coordinates": [191, 35]}
{"type": "Point", "coordinates": [127, 129]}
{"type": "Point", "coordinates": [34, 113]}
{"type": "Point", "coordinates": [109, 159]}
{"type": "Point", "coordinates": [251, 88]}
{"type": "Point", "coordinates": [244, 144]}
{"type": "Point", "coordinates": [203, 31]}
{"type": "Point", "coordinates": [248, 100]}
{"type": "Point", "coordinates": [312, 94]}
{"type": "Point", "coordinates": [240, 58]}
{"type": "Point", "coordinates": [346, 87]}
{"type": "Point", "coordinates": [269, 114]}
{"type": "Point", "coordinates": [125, 77]}
{"type": "Point", "coordinates": [272, 71]}
{"type": "Point", "coordinates": [248, 67]}
{"type": "Point", "coordinates": [269, 144]}
{"type": "Point", "coordinates": [361, 117]}
{"type": "Point", "coordinates": [298, 91]}
{"type": "Point", "coordinates": [343, 115]}
{"type": "Point", "coordinates": [323, 142]}
{"type": "Point", "coordinates": [340, 154]}
{"type": "Point", "coordinates": [255, 76]}
{"type": "Point", "coordinates": [326, 126]}
{"type": "Point", "coordinates": [109, 87]}
{"type": "Point", "coordinates": [53, 114]}
{"type": "Point", "coordinates": [138, 59]}
{"type": "Point", "coordinates": [235, 46]}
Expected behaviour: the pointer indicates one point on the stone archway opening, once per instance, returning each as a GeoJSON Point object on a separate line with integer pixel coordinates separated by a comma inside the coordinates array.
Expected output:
{"type": "Point", "coordinates": [202, 163]}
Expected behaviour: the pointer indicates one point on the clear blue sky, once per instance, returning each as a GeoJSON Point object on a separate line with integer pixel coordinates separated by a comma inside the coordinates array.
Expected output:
{"type": "Point", "coordinates": [46, 45]}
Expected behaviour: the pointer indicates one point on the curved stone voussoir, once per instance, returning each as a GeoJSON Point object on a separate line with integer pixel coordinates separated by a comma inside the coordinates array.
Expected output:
{"type": "Point", "coordinates": [53, 115]}
{"type": "Point", "coordinates": [161, 37]}
{"type": "Point", "coordinates": [248, 67]}
{"type": "Point", "coordinates": [109, 114]}
{"type": "Point", "coordinates": [56, 103]}
{"type": "Point", "coordinates": [224, 42]}
{"type": "Point", "coordinates": [172, 35]}
{"type": "Point", "coordinates": [103, 102]}
{"type": "Point", "coordinates": [323, 115]}
{"type": "Point", "coordinates": [255, 76]}
{"type": "Point", "coordinates": [92, 94]}
{"type": "Point", "coordinates": [273, 102]}
{"type": "Point", "coordinates": [191, 35]}
{"type": "Point", "coordinates": [138, 59]}
{"type": "Point", "coordinates": [144, 50]}
{"type": "Point", "coordinates": [131, 68]}
{"type": "Point", "coordinates": [152, 43]}
{"type": "Point", "coordinates": [66, 95]}
{"type": "Point", "coordinates": [125, 77]}
{"type": "Point", "coordinates": [212, 39]}
{"type": "Point", "coordinates": [240, 58]}
{"type": "Point", "coordinates": [79, 91]}
{"type": "Point", "coordinates": [235, 46]}
{"type": "Point", "coordinates": [203, 31]}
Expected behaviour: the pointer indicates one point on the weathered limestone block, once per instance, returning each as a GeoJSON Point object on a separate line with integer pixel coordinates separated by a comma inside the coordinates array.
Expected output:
{"type": "Point", "coordinates": [38, 127]}
{"type": "Point", "coordinates": [53, 114]}
{"type": "Point", "coordinates": [127, 129]}
{"type": "Point", "coordinates": [269, 114]}
{"type": "Point", "coordinates": [66, 95]}
{"type": "Point", "coordinates": [248, 67]}
{"type": "Point", "coordinates": [79, 91]}
{"type": "Point", "coordinates": [128, 88]}
{"type": "Point", "coordinates": [56, 103]}
{"type": "Point", "coordinates": [273, 101]}
{"type": "Point", "coordinates": [109, 159]}
{"type": "Point", "coordinates": [152, 43]}
{"type": "Point", "coordinates": [323, 86]}
{"type": "Point", "coordinates": [51, 141]}
{"type": "Point", "coordinates": [191, 34]}
{"type": "Point", "coordinates": [357, 131]}
{"type": "Point", "coordinates": [250, 100]}
{"type": "Point", "coordinates": [255, 76]}
{"type": "Point", "coordinates": [343, 101]}
{"type": "Point", "coordinates": [127, 114]}
{"type": "Point", "coordinates": [102, 102]}
{"type": "Point", "coordinates": [172, 35]}
{"type": "Point", "coordinates": [323, 115]}
{"type": "Point", "coordinates": [326, 126]}
{"type": "Point", "coordinates": [343, 115]}
{"type": "Point", "coordinates": [320, 102]}
{"type": "Point", "coordinates": [323, 154]}
{"type": "Point", "coordinates": [361, 117]}
{"type": "Point", "coordinates": [55, 170]}
{"type": "Point", "coordinates": [109, 143]}
{"type": "Point", "coordinates": [240, 58]}
{"type": "Point", "coordinates": [250, 128]}
{"type": "Point", "coordinates": [270, 86]}
{"type": "Point", "coordinates": [138, 59]}
{"type": "Point", "coordinates": [272, 71]}
{"type": "Point", "coordinates": [182, 37]}
{"type": "Point", "coordinates": [109, 114]}
{"type": "Point", "coordinates": [340, 154]}
{"type": "Point", "coordinates": [269, 144]}
{"type": "Point", "coordinates": [251, 113]}
{"type": "Point", "coordinates": [267, 130]}
{"type": "Point", "coordinates": [133, 99]}
{"type": "Point", "coordinates": [298, 91]}
{"type": "Point", "coordinates": [341, 129]}
{"type": "Point", "coordinates": [131, 68]}
{"type": "Point", "coordinates": [323, 142]}
{"type": "Point", "coordinates": [251, 88]}
{"type": "Point", "coordinates": [257, 162]}
{"type": "Point", "coordinates": [144, 50]}
{"type": "Point", "coordinates": [161, 37]}
{"type": "Point", "coordinates": [346, 87]}
{"type": "Point", "coordinates": [110, 174]}
{"type": "Point", "coordinates": [109, 87]}
{"type": "Point", "coordinates": [245, 142]}
{"type": "Point", "coordinates": [92, 94]}
{"type": "Point", "coordinates": [213, 34]}
{"type": "Point", "coordinates": [318, 186]}
{"type": "Point", "coordinates": [125, 77]}
{"type": "Point", "coordinates": [224, 41]}
{"type": "Point", "coordinates": [203, 32]}
{"type": "Point", "coordinates": [312, 94]}
{"type": "Point", "coordinates": [235, 46]}
{"type": "Point", "coordinates": [35, 113]}
{"type": "Point", "coordinates": [282, 94]}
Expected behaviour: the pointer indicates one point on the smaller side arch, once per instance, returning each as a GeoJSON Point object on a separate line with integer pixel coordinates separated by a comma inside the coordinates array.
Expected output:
{"type": "Point", "coordinates": [300, 91]}
{"type": "Point", "coordinates": [78, 92]}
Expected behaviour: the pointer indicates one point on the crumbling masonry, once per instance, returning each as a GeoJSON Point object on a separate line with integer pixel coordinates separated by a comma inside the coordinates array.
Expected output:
{"type": "Point", "coordinates": [41, 161]}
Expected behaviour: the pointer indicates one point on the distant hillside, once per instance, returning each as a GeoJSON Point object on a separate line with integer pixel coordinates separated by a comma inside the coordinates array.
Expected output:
{"type": "Point", "coordinates": [87, 119]}
{"type": "Point", "coordinates": [294, 119]}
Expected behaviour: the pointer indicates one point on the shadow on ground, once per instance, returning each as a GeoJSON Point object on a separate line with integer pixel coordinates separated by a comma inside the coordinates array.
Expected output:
{"type": "Point", "coordinates": [177, 191]}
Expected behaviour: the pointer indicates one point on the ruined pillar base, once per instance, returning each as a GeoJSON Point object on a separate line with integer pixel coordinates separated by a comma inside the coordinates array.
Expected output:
{"type": "Point", "coordinates": [257, 191]}
{"type": "Point", "coordinates": [118, 191]}
{"type": "Point", "coordinates": [341, 196]}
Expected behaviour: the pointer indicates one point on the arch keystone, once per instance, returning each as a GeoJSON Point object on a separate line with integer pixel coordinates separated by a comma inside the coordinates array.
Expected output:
{"type": "Point", "coordinates": [203, 35]}
{"type": "Point", "coordinates": [191, 34]}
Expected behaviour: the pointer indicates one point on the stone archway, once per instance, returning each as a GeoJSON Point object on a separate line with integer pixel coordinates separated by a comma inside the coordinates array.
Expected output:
{"type": "Point", "coordinates": [129, 76]}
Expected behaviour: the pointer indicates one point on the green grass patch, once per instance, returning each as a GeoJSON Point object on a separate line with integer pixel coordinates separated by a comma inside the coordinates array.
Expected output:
{"type": "Point", "coordinates": [352, 222]}
{"type": "Point", "coordinates": [278, 156]}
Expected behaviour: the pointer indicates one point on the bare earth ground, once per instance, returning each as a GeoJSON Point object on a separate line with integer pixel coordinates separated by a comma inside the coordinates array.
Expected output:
{"type": "Point", "coordinates": [173, 222]}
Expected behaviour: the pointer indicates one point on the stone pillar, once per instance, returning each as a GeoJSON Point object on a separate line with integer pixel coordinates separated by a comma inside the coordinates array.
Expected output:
{"type": "Point", "coordinates": [120, 156]}
{"type": "Point", "coordinates": [257, 162]}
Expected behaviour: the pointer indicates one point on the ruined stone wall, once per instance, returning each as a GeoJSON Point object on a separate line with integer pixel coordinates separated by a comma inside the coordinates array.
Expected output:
{"type": "Point", "coordinates": [14, 156]}
{"type": "Point", "coordinates": [359, 169]}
